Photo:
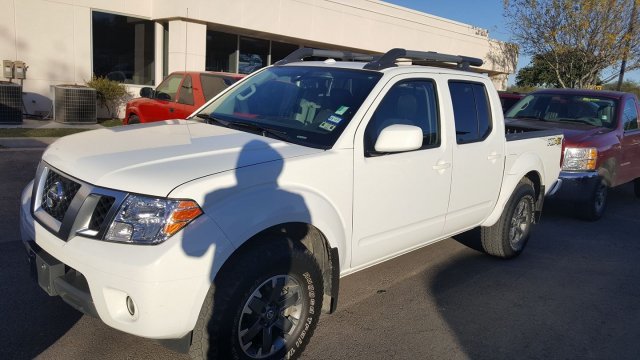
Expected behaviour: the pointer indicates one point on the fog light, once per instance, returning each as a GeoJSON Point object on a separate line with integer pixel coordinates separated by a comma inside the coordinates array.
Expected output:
{"type": "Point", "coordinates": [131, 306]}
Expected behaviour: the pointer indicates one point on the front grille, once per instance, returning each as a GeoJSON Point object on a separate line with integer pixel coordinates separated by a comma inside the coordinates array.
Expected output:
{"type": "Point", "coordinates": [100, 212]}
{"type": "Point", "coordinates": [57, 193]}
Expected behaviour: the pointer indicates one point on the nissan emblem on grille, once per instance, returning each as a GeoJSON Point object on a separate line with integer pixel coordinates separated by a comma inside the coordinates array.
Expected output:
{"type": "Point", "coordinates": [55, 196]}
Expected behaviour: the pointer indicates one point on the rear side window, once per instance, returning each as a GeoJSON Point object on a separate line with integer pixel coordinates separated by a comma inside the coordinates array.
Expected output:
{"type": "Point", "coordinates": [212, 85]}
{"type": "Point", "coordinates": [471, 111]}
{"type": "Point", "coordinates": [630, 115]}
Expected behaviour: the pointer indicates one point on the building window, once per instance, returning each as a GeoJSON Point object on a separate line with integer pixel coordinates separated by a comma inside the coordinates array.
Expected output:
{"type": "Point", "coordinates": [123, 48]}
{"type": "Point", "coordinates": [253, 54]}
{"type": "Point", "coordinates": [280, 50]}
{"type": "Point", "coordinates": [221, 51]}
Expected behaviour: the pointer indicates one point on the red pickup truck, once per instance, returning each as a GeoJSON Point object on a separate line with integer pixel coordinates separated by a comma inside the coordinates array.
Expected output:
{"type": "Point", "coordinates": [178, 96]}
{"type": "Point", "coordinates": [602, 141]}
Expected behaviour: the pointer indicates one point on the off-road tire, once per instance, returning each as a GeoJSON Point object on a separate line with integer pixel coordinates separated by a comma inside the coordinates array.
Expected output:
{"type": "Point", "coordinates": [216, 334]}
{"type": "Point", "coordinates": [498, 240]}
{"type": "Point", "coordinates": [596, 204]}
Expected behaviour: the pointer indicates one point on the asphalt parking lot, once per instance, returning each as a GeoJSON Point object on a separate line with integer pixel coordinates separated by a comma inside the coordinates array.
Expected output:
{"type": "Point", "coordinates": [572, 294]}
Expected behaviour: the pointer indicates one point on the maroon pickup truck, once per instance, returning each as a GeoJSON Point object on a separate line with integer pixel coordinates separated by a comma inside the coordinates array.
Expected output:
{"type": "Point", "coordinates": [602, 141]}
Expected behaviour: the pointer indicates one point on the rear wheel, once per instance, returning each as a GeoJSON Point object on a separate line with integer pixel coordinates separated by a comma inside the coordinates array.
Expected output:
{"type": "Point", "coordinates": [264, 306]}
{"type": "Point", "coordinates": [508, 237]}
{"type": "Point", "coordinates": [597, 202]}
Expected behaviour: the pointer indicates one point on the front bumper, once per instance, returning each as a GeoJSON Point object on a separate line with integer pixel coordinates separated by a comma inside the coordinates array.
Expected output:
{"type": "Point", "coordinates": [575, 186]}
{"type": "Point", "coordinates": [167, 282]}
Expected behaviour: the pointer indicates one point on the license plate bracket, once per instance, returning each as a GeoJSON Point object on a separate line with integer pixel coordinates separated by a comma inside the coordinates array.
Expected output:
{"type": "Point", "coordinates": [48, 269]}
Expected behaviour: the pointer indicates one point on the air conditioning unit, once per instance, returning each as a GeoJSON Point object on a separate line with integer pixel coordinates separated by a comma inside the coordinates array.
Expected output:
{"type": "Point", "coordinates": [10, 103]}
{"type": "Point", "coordinates": [74, 104]}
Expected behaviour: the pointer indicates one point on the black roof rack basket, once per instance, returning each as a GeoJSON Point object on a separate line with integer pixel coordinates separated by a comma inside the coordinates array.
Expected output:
{"type": "Point", "coordinates": [389, 59]}
{"type": "Point", "coordinates": [302, 53]}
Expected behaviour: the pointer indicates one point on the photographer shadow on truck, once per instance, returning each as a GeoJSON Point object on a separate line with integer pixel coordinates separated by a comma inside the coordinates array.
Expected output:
{"type": "Point", "coordinates": [266, 299]}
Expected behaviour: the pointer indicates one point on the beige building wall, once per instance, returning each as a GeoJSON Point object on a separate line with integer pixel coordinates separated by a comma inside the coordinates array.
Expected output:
{"type": "Point", "coordinates": [54, 36]}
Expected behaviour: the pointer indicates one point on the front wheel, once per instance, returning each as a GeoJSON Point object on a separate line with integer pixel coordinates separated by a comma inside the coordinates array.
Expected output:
{"type": "Point", "coordinates": [508, 237]}
{"type": "Point", "coordinates": [133, 119]}
{"type": "Point", "coordinates": [597, 202]}
{"type": "Point", "coordinates": [264, 306]}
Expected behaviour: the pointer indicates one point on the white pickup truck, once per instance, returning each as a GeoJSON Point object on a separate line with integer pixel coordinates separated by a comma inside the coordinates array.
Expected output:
{"type": "Point", "coordinates": [226, 235]}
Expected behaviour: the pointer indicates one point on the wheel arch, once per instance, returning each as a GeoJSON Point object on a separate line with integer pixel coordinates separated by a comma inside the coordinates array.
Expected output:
{"type": "Point", "coordinates": [527, 166]}
{"type": "Point", "coordinates": [299, 234]}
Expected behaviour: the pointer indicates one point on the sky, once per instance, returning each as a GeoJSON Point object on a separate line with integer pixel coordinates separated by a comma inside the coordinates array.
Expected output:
{"type": "Point", "coordinates": [486, 14]}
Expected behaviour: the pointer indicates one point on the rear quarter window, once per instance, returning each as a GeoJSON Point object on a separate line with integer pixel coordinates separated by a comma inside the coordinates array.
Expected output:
{"type": "Point", "coordinates": [212, 85]}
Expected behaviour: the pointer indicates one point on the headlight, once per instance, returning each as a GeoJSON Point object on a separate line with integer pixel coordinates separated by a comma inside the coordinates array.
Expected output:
{"type": "Point", "coordinates": [580, 159]}
{"type": "Point", "coordinates": [147, 220]}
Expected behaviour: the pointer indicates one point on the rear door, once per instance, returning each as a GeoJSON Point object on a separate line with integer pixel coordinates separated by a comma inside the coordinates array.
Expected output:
{"type": "Point", "coordinates": [400, 199]}
{"type": "Point", "coordinates": [478, 154]}
{"type": "Point", "coordinates": [629, 168]}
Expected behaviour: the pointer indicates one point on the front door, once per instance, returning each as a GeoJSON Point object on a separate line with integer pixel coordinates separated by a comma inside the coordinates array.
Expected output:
{"type": "Point", "coordinates": [400, 199]}
{"type": "Point", "coordinates": [185, 104]}
{"type": "Point", "coordinates": [629, 166]}
{"type": "Point", "coordinates": [165, 99]}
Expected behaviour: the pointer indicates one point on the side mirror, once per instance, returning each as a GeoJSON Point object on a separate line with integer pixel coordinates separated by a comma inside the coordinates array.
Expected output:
{"type": "Point", "coordinates": [146, 92]}
{"type": "Point", "coordinates": [399, 138]}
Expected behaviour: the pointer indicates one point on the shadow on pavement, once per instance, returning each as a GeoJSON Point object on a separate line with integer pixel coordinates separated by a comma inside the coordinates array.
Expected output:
{"type": "Point", "coordinates": [577, 298]}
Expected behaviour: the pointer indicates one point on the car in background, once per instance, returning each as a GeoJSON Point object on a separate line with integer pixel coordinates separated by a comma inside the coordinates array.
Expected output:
{"type": "Point", "coordinates": [602, 141]}
{"type": "Point", "coordinates": [178, 96]}
{"type": "Point", "coordinates": [508, 99]}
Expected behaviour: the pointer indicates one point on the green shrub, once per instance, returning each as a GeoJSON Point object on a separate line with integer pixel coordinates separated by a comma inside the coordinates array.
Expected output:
{"type": "Point", "coordinates": [111, 94]}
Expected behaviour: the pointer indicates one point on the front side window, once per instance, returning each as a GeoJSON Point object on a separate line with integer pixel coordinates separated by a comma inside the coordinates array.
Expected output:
{"type": "Point", "coordinates": [471, 111]}
{"type": "Point", "coordinates": [566, 108]}
{"type": "Point", "coordinates": [630, 115]}
{"type": "Point", "coordinates": [123, 48]}
{"type": "Point", "coordinates": [410, 102]}
{"type": "Point", "coordinates": [168, 89]}
{"type": "Point", "coordinates": [186, 91]}
{"type": "Point", "coordinates": [305, 105]}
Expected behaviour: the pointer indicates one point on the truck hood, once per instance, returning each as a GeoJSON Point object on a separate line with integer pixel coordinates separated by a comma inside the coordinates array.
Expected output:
{"type": "Point", "coordinates": [155, 158]}
{"type": "Point", "coordinates": [574, 133]}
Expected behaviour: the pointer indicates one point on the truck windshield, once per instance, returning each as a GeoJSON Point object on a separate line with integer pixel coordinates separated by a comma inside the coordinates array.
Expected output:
{"type": "Point", "coordinates": [590, 110]}
{"type": "Point", "coordinates": [305, 105]}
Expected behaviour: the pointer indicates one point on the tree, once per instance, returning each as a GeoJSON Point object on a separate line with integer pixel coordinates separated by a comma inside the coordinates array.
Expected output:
{"type": "Point", "coordinates": [539, 73]}
{"type": "Point", "coordinates": [627, 86]}
{"type": "Point", "coordinates": [577, 41]}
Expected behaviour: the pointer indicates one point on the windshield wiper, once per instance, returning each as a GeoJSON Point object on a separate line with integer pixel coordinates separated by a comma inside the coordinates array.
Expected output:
{"type": "Point", "coordinates": [212, 120]}
{"type": "Point", "coordinates": [264, 131]}
{"type": "Point", "coordinates": [528, 117]}
{"type": "Point", "coordinates": [255, 128]}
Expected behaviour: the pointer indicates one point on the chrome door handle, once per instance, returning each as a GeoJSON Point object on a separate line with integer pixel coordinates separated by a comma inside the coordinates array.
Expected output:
{"type": "Point", "coordinates": [494, 156]}
{"type": "Point", "coordinates": [441, 165]}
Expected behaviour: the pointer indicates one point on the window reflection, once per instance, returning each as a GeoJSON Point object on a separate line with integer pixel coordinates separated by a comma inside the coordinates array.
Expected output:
{"type": "Point", "coordinates": [123, 48]}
